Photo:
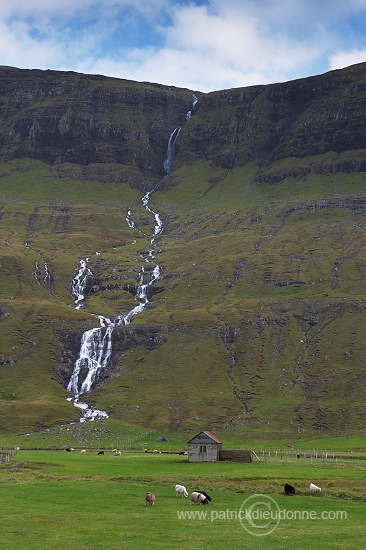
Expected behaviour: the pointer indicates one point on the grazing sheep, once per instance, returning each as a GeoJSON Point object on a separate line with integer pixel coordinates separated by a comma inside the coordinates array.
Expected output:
{"type": "Point", "coordinates": [180, 490]}
{"type": "Point", "coordinates": [114, 450]}
{"type": "Point", "coordinates": [117, 453]}
{"type": "Point", "coordinates": [289, 489]}
{"type": "Point", "coordinates": [70, 450]}
{"type": "Point", "coordinates": [198, 497]}
{"type": "Point", "coordinates": [314, 489]}
{"type": "Point", "coordinates": [83, 451]}
{"type": "Point", "coordinates": [149, 498]}
{"type": "Point", "coordinates": [101, 453]}
{"type": "Point", "coordinates": [206, 495]}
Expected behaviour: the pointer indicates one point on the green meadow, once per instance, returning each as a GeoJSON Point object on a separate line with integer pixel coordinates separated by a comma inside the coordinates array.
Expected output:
{"type": "Point", "coordinates": [53, 499]}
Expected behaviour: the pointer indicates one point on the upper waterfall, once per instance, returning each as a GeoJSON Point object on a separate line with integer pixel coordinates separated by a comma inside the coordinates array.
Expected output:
{"type": "Point", "coordinates": [170, 151]}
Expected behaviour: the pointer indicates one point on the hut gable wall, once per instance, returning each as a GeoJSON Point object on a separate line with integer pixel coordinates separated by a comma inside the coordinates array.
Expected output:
{"type": "Point", "coordinates": [203, 448]}
{"type": "Point", "coordinates": [202, 439]}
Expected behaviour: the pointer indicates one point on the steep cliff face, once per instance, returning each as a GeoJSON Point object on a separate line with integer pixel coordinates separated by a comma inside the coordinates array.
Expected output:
{"type": "Point", "coordinates": [269, 123]}
{"type": "Point", "coordinates": [67, 117]}
{"type": "Point", "coordinates": [61, 117]}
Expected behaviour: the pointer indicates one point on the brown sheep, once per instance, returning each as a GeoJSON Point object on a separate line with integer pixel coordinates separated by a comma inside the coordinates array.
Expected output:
{"type": "Point", "coordinates": [150, 498]}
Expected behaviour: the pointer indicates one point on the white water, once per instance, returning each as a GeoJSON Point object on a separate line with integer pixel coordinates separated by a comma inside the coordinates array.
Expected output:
{"type": "Point", "coordinates": [47, 277]}
{"type": "Point", "coordinates": [129, 221]}
{"type": "Point", "coordinates": [173, 138]}
{"type": "Point", "coordinates": [79, 283]}
{"type": "Point", "coordinates": [96, 344]}
{"type": "Point", "coordinates": [189, 114]}
{"type": "Point", "coordinates": [171, 148]}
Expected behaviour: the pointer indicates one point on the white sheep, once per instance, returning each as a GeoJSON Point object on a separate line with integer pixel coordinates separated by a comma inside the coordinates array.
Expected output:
{"type": "Point", "coordinates": [180, 490]}
{"type": "Point", "coordinates": [314, 489]}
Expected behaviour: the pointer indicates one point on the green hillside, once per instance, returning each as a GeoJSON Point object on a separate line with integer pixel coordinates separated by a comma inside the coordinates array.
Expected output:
{"type": "Point", "coordinates": [255, 324]}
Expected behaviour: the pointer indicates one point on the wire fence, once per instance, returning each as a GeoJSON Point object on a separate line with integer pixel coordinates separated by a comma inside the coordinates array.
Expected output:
{"type": "Point", "coordinates": [309, 456]}
{"type": "Point", "coordinates": [7, 454]}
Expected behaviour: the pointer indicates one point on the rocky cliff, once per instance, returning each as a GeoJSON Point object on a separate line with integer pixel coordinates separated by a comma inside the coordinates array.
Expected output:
{"type": "Point", "coordinates": [302, 118]}
{"type": "Point", "coordinates": [64, 117]}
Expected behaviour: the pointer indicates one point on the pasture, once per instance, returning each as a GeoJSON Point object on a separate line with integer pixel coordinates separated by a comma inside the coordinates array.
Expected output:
{"type": "Point", "coordinates": [57, 499]}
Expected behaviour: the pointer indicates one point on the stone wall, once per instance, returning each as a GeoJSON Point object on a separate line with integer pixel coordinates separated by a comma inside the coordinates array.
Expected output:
{"type": "Point", "coordinates": [236, 456]}
{"type": "Point", "coordinates": [195, 453]}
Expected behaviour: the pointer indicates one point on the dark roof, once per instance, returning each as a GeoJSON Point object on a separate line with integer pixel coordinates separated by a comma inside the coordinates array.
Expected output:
{"type": "Point", "coordinates": [208, 434]}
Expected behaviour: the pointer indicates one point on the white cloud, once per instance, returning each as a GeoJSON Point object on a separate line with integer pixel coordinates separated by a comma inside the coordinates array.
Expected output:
{"type": "Point", "coordinates": [17, 45]}
{"type": "Point", "coordinates": [220, 44]}
{"type": "Point", "coordinates": [340, 60]}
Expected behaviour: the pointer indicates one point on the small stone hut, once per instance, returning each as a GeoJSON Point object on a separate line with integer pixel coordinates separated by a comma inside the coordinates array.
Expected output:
{"type": "Point", "coordinates": [204, 447]}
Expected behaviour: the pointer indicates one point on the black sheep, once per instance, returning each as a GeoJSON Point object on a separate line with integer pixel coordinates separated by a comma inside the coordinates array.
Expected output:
{"type": "Point", "coordinates": [289, 489]}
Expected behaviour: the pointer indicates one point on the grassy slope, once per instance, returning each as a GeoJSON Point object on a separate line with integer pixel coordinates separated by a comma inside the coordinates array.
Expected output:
{"type": "Point", "coordinates": [229, 249]}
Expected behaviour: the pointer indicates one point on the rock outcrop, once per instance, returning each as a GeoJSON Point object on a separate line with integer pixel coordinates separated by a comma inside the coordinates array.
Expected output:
{"type": "Point", "coordinates": [65, 117]}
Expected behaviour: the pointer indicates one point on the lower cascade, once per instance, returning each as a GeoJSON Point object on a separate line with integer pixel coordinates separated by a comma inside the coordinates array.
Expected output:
{"type": "Point", "coordinates": [95, 352]}
{"type": "Point", "coordinates": [96, 344]}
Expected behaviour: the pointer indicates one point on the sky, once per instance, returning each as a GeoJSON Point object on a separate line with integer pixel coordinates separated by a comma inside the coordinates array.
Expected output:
{"type": "Point", "coordinates": [202, 45]}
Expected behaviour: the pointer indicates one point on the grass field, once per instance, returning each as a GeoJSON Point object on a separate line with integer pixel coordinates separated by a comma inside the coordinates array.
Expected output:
{"type": "Point", "coordinates": [55, 498]}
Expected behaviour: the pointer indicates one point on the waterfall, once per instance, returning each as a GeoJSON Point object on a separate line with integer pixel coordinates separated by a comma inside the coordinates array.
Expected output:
{"type": "Point", "coordinates": [129, 221]}
{"type": "Point", "coordinates": [173, 138]}
{"type": "Point", "coordinates": [189, 114]}
{"type": "Point", "coordinates": [79, 283]}
{"type": "Point", "coordinates": [158, 223]}
{"type": "Point", "coordinates": [96, 344]}
{"type": "Point", "coordinates": [37, 273]}
{"type": "Point", "coordinates": [47, 278]}
{"type": "Point", "coordinates": [141, 295]}
{"type": "Point", "coordinates": [95, 353]}
{"type": "Point", "coordinates": [170, 151]}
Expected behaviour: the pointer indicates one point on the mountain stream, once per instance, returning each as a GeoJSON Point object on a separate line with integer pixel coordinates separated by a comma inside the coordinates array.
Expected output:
{"type": "Point", "coordinates": [96, 344]}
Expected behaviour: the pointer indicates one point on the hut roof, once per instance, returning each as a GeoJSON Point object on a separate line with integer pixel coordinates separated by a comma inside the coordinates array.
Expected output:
{"type": "Point", "coordinates": [208, 434]}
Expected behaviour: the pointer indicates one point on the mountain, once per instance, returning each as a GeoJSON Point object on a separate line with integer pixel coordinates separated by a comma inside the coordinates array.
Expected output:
{"type": "Point", "coordinates": [234, 221]}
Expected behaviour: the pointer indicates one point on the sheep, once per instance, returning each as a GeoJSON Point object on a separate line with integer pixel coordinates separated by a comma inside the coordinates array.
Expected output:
{"type": "Point", "coordinates": [117, 453]}
{"type": "Point", "coordinates": [180, 490]}
{"type": "Point", "coordinates": [198, 497]}
{"type": "Point", "coordinates": [83, 451]}
{"type": "Point", "coordinates": [70, 450]}
{"type": "Point", "coordinates": [114, 450]}
{"type": "Point", "coordinates": [101, 453]}
{"type": "Point", "coordinates": [289, 489]}
{"type": "Point", "coordinates": [149, 498]}
{"type": "Point", "coordinates": [205, 494]}
{"type": "Point", "coordinates": [314, 489]}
